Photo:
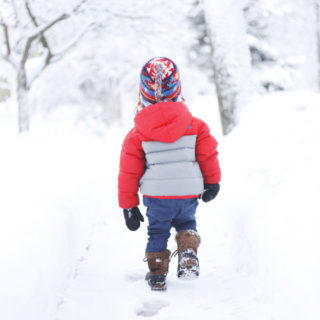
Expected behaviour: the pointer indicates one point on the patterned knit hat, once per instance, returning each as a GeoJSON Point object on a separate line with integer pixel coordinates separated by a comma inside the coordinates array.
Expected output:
{"type": "Point", "coordinates": [159, 82]}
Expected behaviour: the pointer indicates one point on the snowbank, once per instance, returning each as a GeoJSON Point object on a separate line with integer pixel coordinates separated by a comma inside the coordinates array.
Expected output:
{"type": "Point", "coordinates": [271, 182]}
{"type": "Point", "coordinates": [54, 189]}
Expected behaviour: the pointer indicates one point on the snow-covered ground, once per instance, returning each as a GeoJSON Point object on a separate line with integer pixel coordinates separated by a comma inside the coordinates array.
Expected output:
{"type": "Point", "coordinates": [66, 254]}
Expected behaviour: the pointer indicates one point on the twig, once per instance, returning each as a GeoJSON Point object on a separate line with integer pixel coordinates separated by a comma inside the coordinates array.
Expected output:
{"type": "Point", "coordinates": [119, 14]}
{"type": "Point", "coordinates": [78, 6]}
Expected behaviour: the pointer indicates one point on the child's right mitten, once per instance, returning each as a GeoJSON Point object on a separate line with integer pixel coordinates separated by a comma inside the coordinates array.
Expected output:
{"type": "Point", "coordinates": [133, 217]}
{"type": "Point", "coordinates": [210, 192]}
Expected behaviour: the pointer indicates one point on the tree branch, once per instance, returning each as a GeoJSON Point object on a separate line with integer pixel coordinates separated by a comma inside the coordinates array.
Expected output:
{"type": "Point", "coordinates": [43, 39]}
{"type": "Point", "coordinates": [62, 17]}
{"type": "Point", "coordinates": [26, 51]}
{"type": "Point", "coordinates": [5, 29]}
{"type": "Point", "coordinates": [45, 28]}
{"type": "Point", "coordinates": [78, 6]}
{"type": "Point", "coordinates": [59, 55]}
{"type": "Point", "coordinates": [6, 38]}
{"type": "Point", "coordinates": [39, 33]}
{"type": "Point", "coordinates": [129, 16]}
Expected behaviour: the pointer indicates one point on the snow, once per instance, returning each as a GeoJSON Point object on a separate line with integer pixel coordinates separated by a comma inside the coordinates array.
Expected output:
{"type": "Point", "coordinates": [65, 252]}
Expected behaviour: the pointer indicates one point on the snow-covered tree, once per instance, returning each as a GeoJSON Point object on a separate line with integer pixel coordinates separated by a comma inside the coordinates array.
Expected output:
{"type": "Point", "coordinates": [230, 57]}
{"type": "Point", "coordinates": [200, 46]}
{"type": "Point", "coordinates": [27, 46]}
{"type": "Point", "coordinates": [282, 43]}
{"type": "Point", "coordinates": [103, 81]}
{"type": "Point", "coordinates": [270, 72]}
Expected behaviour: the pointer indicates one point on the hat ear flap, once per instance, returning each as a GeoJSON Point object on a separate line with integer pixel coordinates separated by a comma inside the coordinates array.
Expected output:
{"type": "Point", "coordinates": [138, 107]}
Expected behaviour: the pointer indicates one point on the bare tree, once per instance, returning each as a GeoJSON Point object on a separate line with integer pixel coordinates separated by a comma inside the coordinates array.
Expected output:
{"type": "Point", "coordinates": [230, 57]}
{"type": "Point", "coordinates": [18, 51]}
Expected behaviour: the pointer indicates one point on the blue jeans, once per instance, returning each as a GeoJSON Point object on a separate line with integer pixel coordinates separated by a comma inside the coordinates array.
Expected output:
{"type": "Point", "coordinates": [166, 213]}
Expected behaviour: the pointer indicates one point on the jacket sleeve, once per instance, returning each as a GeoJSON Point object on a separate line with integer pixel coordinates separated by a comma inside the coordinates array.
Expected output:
{"type": "Point", "coordinates": [207, 154]}
{"type": "Point", "coordinates": [132, 166]}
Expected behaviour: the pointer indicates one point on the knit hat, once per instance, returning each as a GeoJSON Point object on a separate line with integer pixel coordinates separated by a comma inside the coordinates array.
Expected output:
{"type": "Point", "coordinates": [159, 82]}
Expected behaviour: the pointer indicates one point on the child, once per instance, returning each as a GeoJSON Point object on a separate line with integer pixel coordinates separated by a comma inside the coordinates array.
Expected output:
{"type": "Point", "coordinates": [171, 156]}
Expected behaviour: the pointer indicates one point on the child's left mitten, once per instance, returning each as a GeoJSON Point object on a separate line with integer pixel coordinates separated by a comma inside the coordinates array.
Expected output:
{"type": "Point", "coordinates": [133, 217]}
{"type": "Point", "coordinates": [210, 192]}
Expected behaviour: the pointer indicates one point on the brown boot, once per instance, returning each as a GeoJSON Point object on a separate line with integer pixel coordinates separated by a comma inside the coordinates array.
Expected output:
{"type": "Point", "coordinates": [158, 263]}
{"type": "Point", "coordinates": [188, 242]}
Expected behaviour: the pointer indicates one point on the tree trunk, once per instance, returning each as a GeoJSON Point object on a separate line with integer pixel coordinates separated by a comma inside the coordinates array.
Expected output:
{"type": "Point", "coordinates": [23, 108]}
{"type": "Point", "coordinates": [230, 57]}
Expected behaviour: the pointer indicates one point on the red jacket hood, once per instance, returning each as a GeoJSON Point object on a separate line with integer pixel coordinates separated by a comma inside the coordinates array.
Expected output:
{"type": "Point", "coordinates": [165, 121]}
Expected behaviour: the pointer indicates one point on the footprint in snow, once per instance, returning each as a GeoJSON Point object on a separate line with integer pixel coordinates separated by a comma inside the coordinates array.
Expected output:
{"type": "Point", "coordinates": [135, 276]}
{"type": "Point", "coordinates": [151, 308]}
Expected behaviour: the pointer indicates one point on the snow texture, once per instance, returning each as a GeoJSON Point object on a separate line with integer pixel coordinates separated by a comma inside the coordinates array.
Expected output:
{"type": "Point", "coordinates": [229, 48]}
{"type": "Point", "coordinates": [65, 252]}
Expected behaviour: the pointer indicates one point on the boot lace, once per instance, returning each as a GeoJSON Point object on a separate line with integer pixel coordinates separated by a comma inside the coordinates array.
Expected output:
{"type": "Point", "coordinates": [173, 254]}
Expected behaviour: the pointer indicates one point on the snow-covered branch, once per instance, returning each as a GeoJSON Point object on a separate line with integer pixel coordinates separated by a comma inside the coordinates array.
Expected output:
{"type": "Point", "coordinates": [43, 39]}
{"type": "Point", "coordinates": [39, 32]}
{"type": "Point", "coordinates": [6, 38]}
{"type": "Point", "coordinates": [72, 43]}
{"type": "Point", "coordinates": [7, 42]}
{"type": "Point", "coordinates": [57, 56]}
{"type": "Point", "coordinates": [78, 6]}
{"type": "Point", "coordinates": [130, 16]}
{"type": "Point", "coordinates": [35, 23]}
{"type": "Point", "coordinates": [122, 14]}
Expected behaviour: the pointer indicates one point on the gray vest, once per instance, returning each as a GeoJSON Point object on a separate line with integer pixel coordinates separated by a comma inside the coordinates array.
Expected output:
{"type": "Point", "coordinates": [171, 168]}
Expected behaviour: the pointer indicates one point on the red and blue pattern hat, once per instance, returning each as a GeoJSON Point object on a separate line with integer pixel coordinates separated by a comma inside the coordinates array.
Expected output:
{"type": "Point", "coordinates": [159, 82]}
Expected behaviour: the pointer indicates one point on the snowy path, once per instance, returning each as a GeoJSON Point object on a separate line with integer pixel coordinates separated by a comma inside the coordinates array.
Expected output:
{"type": "Point", "coordinates": [66, 254]}
{"type": "Point", "coordinates": [110, 281]}
{"type": "Point", "coordinates": [253, 265]}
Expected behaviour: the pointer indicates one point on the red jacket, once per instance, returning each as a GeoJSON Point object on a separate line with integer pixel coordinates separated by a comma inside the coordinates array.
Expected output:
{"type": "Point", "coordinates": [165, 122]}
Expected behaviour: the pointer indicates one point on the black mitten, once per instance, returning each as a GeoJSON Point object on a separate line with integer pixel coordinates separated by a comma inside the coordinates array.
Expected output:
{"type": "Point", "coordinates": [210, 192]}
{"type": "Point", "coordinates": [133, 217]}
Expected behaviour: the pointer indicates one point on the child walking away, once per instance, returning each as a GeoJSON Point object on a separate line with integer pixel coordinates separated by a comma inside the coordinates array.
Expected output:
{"type": "Point", "coordinates": [171, 156]}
